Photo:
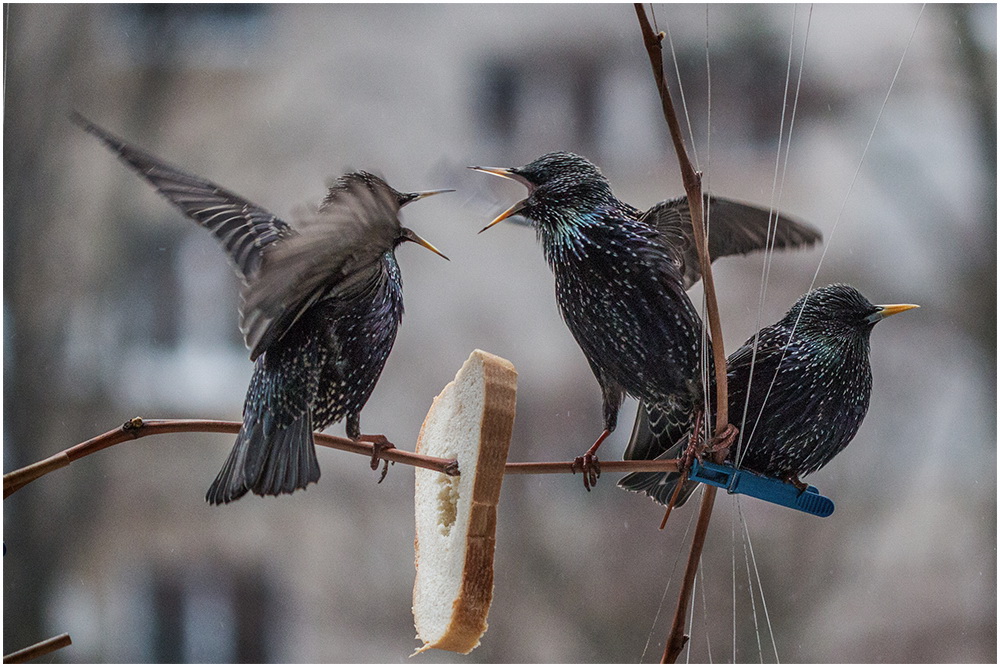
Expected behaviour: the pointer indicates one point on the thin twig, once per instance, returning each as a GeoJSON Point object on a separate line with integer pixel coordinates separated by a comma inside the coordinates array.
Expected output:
{"type": "Point", "coordinates": [39, 649]}
{"type": "Point", "coordinates": [139, 428]}
{"type": "Point", "coordinates": [665, 465]}
{"type": "Point", "coordinates": [692, 186]}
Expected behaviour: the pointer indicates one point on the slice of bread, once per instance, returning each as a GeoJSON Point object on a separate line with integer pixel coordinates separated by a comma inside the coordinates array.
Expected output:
{"type": "Point", "coordinates": [470, 420]}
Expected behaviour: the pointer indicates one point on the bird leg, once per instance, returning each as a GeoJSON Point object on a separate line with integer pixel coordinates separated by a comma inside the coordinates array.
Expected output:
{"type": "Point", "coordinates": [793, 479]}
{"type": "Point", "coordinates": [379, 444]}
{"type": "Point", "coordinates": [721, 442]}
{"type": "Point", "coordinates": [692, 451]}
{"type": "Point", "coordinates": [589, 464]}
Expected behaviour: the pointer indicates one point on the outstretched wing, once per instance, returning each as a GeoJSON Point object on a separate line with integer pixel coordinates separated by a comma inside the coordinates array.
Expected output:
{"type": "Point", "coordinates": [338, 248]}
{"type": "Point", "coordinates": [735, 228]}
{"type": "Point", "coordinates": [243, 228]}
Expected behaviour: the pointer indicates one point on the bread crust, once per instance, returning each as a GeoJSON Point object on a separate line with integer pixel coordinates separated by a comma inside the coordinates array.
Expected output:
{"type": "Point", "coordinates": [471, 606]}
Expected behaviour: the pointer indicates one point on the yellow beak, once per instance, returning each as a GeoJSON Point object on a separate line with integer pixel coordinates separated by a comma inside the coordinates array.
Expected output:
{"type": "Point", "coordinates": [513, 210]}
{"type": "Point", "coordinates": [428, 193]}
{"type": "Point", "coordinates": [885, 311]}
{"type": "Point", "coordinates": [504, 172]}
{"type": "Point", "coordinates": [411, 235]}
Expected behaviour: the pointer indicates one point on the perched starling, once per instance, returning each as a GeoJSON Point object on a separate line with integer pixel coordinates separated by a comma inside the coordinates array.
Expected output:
{"type": "Point", "coordinates": [805, 400]}
{"type": "Point", "coordinates": [620, 278]}
{"type": "Point", "coordinates": [320, 307]}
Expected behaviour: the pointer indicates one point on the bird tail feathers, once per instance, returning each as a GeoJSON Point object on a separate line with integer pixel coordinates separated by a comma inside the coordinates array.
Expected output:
{"type": "Point", "coordinates": [658, 485]}
{"type": "Point", "coordinates": [267, 460]}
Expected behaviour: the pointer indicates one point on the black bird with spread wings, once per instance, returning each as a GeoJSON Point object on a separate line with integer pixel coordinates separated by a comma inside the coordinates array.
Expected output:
{"type": "Point", "coordinates": [321, 305]}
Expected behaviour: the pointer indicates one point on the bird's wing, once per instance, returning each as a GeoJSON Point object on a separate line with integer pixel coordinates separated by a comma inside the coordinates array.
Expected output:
{"type": "Point", "coordinates": [735, 228]}
{"type": "Point", "coordinates": [243, 228]}
{"type": "Point", "coordinates": [659, 433]}
{"type": "Point", "coordinates": [338, 248]}
{"type": "Point", "coordinates": [776, 385]}
{"type": "Point", "coordinates": [658, 430]}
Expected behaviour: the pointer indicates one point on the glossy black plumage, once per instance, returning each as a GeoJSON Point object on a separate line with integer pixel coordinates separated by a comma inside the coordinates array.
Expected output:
{"type": "Point", "coordinates": [320, 308]}
{"type": "Point", "coordinates": [621, 274]}
{"type": "Point", "coordinates": [618, 288]}
{"type": "Point", "coordinates": [806, 399]}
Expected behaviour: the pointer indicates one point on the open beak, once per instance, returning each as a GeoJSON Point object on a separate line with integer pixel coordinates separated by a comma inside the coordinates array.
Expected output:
{"type": "Point", "coordinates": [885, 311]}
{"type": "Point", "coordinates": [410, 235]}
{"type": "Point", "coordinates": [503, 172]}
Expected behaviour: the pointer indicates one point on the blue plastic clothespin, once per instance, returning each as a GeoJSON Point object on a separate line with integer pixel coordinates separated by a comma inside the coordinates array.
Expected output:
{"type": "Point", "coordinates": [765, 488]}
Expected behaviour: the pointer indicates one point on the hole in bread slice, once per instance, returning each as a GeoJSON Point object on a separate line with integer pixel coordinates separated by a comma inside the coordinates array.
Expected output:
{"type": "Point", "coordinates": [447, 503]}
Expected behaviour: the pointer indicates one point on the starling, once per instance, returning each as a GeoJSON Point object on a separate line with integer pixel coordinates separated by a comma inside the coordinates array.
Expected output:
{"type": "Point", "coordinates": [320, 307]}
{"type": "Point", "coordinates": [621, 276]}
{"type": "Point", "coordinates": [803, 403]}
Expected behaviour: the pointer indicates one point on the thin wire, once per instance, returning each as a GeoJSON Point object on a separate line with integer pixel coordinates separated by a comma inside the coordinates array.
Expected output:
{"type": "Point", "coordinates": [680, 87]}
{"type": "Point", "coordinates": [704, 611]}
{"type": "Point", "coordinates": [864, 153]}
{"type": "Point", "coordinates": [840, 213]}
{"type": "Point", "coordinates": [694, 591]}
{"type": "Point", "coordinates": [732, 526]}
{"type": "Point", "coordinates": [705, 348]}
{"type": "Point", "coordinates": [753, 601]}
{"type": "Point", "coordinates": [772, 222]}
{"type": "Point", "coordinates": [760, 587]}
{"type": "Point", "coordinates": [6, 44]}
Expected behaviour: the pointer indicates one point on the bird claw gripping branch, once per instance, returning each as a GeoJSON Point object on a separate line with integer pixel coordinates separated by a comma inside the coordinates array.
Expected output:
{"type": "Point", "coordinates": [590, 466]}
{"type": "Point", "coordinates": [379, 445]}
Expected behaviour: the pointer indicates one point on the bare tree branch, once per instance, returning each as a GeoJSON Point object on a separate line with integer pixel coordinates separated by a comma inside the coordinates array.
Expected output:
{"type": "Point", "coordinates": [38, 650]}
{"type": "Point", "coordinates": [692, 186]}
{"type": "Point", "coordinates": [665, 465]}
{"type": "Point", "coordinates": [138, 428]}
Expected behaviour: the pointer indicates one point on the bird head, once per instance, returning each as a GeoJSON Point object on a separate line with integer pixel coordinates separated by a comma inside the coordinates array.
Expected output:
{"type": "Point", "coordinates": [839, 310]}
{"type": "Point", "coordinates": [562, 189]}
{"type": "Point", "coordinates": [393, 200]}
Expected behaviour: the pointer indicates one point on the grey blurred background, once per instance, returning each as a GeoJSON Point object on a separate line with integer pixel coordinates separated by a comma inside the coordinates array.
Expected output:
{"type": "Point", "coordinates": [116, 306]}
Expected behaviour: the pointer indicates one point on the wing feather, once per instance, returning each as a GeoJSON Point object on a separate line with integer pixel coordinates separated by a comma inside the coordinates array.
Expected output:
{"type": "Point", "coordinates": [735, 228]}
{"type": "Point", "coordinates": [243, 228]}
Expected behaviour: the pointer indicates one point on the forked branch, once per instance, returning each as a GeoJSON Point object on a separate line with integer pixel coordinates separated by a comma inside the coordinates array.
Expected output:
{"type": "Point", "coordinates": [692, 186]}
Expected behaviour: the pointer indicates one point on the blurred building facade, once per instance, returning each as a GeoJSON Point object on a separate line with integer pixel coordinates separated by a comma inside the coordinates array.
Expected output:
{"type": "Point", "coordinates": [114, 306]}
